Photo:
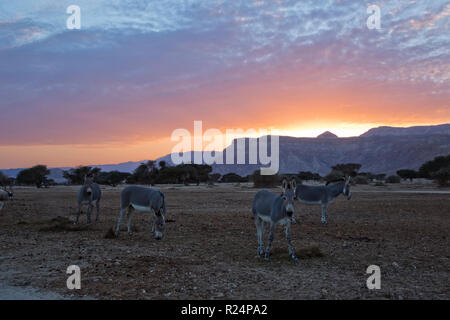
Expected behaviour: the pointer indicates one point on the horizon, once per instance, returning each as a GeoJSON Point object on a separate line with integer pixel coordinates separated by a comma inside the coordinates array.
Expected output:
{"type": "Point", "coordinates": [189, 151]}
{"type": "Point", "coordinates": [115, 89]}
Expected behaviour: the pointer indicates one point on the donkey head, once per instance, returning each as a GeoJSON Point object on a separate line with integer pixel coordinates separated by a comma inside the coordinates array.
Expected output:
{"type": "Point", "coordinates": [159, 221]}
{"type": "Point", "coordinates": [10, 192]}
{"type": "Point", "coordinates": [88, 182]}
{"type": "Point", "coordinates": [346, 190]}
{"type": "Point", "coordinates": [289, 196]}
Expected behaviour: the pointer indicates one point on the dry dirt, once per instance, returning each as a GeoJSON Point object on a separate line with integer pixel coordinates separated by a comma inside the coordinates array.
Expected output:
{"type": "Point", "coordinates": [209, 249]}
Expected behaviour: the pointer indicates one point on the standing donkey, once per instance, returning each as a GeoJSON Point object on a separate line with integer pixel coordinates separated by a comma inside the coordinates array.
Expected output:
{"type": "Point", "coordinates": [323, 195]}
{"type": "Point", "coordinates": [5, 196]}
{"type": "Point", "coordinates": [89, 194]}
{"type": "Point", "coordinates": [274, 208]}
{"type": "Point", "coordinates": [147, 200]}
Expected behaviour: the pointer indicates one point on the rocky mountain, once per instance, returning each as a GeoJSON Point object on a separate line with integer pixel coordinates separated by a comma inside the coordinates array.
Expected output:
{"type": "Point", "coordinates": [379, 150]}
{"type": "Point", "coordinates": [410, 131]}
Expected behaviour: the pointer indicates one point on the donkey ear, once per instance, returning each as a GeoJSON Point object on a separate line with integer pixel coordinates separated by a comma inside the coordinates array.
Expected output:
{"type": "Point", "coordinates": [284, 184]}
{"type": "Point", "coordinates": [293, 184]}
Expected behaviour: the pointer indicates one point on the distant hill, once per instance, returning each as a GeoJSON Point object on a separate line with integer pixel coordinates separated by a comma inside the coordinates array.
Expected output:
{"type": "Point", "coordinates": [379, 150]}
{"type": "Point", "coordinates": [410, 131]}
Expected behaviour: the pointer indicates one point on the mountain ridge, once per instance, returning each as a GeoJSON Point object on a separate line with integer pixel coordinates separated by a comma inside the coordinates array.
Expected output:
{"type": "Point", "coordinates": [379, 150]}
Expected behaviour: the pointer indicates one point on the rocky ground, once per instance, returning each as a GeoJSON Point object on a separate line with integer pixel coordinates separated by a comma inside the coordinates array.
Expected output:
{"type": "Point", "coordinates": [209, 248]}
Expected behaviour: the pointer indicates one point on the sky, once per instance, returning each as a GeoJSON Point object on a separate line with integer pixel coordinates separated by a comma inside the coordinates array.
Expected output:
{"type": "Point", "coordinates": [135, 71]}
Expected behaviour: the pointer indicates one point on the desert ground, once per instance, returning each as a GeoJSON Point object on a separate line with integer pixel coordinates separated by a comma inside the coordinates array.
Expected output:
{"type": "Point", "coordinates": [209, 248]}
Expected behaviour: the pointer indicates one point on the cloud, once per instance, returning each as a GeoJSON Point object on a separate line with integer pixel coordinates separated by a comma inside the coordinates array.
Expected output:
{"type": "Point", "coordinates": [139, 69]}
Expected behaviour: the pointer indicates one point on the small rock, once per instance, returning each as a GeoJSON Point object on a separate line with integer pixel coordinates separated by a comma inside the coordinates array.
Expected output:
{"type": "Point", "coordinates": [168, 294]}
{"type": "Point", "coordinates": [395, 264]}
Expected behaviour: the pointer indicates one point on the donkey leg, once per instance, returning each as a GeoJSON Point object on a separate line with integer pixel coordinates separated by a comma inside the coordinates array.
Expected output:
{"type": "Point", "coordinates": [130, 213]}
{"type": "Point", "coordinates": [288, 238]}
{"type": "Point", "coordinates": [324, 214]}
{"type": "Point", "coordinates": [78, 213]}
{"type": "Point", "coordinates": [272, 227]}
{"type": "Point", "coordinates": [122, 213]}
{"type": "Point", "coordinates": [88, 214]}
{"type": "Point", "coordinates": [1, 206]}
{"type": "Point", "coordinates": [259, 233]}
{"type": "Point", "coordinates": [98, 210]}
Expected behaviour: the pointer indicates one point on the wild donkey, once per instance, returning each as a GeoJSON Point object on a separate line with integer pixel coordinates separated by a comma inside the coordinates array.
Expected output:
{"type": "Point", "coordinates": [5, 196]}
{"type": "Point", "coordinates": [89, 194]}
{"type": "Point", "coordinates": [274, 208]}
{"type": "Point", "coordinates": [147, 200]}
{"type": "Point", "coordinates": [323, 195]}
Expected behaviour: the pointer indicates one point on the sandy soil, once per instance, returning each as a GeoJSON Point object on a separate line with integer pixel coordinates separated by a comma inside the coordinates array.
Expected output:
{"type": "Point", "coordinates": [209, 248]}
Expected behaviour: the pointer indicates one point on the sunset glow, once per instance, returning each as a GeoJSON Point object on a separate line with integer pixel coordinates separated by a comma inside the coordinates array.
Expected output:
{"type": "Point", "coordinates": [115, 90]}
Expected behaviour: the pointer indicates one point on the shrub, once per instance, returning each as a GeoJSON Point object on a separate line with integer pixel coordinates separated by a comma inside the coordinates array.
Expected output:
{"type": "Point", "coordinates": [393, 179]}
{"type": "Point", "coordinates": [264, 181]}
{"type": "Point", "coordinates": [442, 176]}
{"type": "Point", "coordinates": [334, 175]}
{"type": "Point", "coordinates": [407, 174]}
{"type": "Point", "coordinates": [232, 177]}
{"type": "Point", "coordinates": [360, 180]}
{"type": "Point", "coordinates": [428, 168]}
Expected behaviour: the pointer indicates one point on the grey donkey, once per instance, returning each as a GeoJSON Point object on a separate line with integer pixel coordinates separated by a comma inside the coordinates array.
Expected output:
{"type": "Point", "coordinates": [147, 200]}
{"type": "Point", "coordinates": [5, 196]}
{"type": "Point", "coordinates": [90, 195]}
{"type": "Point", "coordinates": [274, 208]}
{"type": "Point", "coordinates": [323, 195]}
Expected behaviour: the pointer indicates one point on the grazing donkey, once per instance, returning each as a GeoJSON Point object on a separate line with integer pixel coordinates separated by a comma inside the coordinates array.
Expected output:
{"type": "Point", "coordinates": [89, 194]}
{"type": "Point", "coordinates": [323, 195]}
{"type": "Point", "coordinates": [5, 196]}
{"type": "Point", "coordinates": [147, 200]}
{"type": "Point", "coordinates": [274, 208]}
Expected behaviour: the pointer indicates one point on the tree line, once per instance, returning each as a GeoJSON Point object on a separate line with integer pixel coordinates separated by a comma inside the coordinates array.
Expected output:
{"type": "Point", "coordinates": [151, 173]}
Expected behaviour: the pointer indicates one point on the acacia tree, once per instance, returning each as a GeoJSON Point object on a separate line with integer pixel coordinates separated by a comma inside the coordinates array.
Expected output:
{"type": "Point", "coordinates": [3, 179]}
{"type": "Point", "coordinates": [430, 167]}
{"type": "Point", "coordinates": [407, 174]}
{"type": "Point", "coordinates": [348, 169]}
{"type": "Point", "coordinates": [36, 175]}
{"type": "Point", "coordinates": [76, 175]}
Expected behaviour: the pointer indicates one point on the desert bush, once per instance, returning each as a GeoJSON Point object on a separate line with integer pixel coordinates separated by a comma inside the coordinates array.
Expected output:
{"type": "Point", "coordinates": [407, 174]}
{"type": "Point", "coordinates": [393, 179]}
{"type": "Point", "coordinates": [334, 175]}
{"type": "Point", "coordinates": [264, 181]}
{"type": "Point", "coordinates": [112, 178]}
{"type": "Point", "coordinates": [348, 169]}
{"type": "Point", "coordinates": [442, 176]}
{"type": "Point", "coordinates": [360, 180]}
{"type": "Point", "coordinates": [232, 177]}
{"type": "Point", "coordinates": [308, 175]}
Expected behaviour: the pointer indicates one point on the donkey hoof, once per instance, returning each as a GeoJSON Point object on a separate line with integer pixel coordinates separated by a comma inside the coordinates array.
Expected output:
{"type": "Point", "coordinates": [295, 259]}
{"type": "Point", "coordinates": [324, 223]}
